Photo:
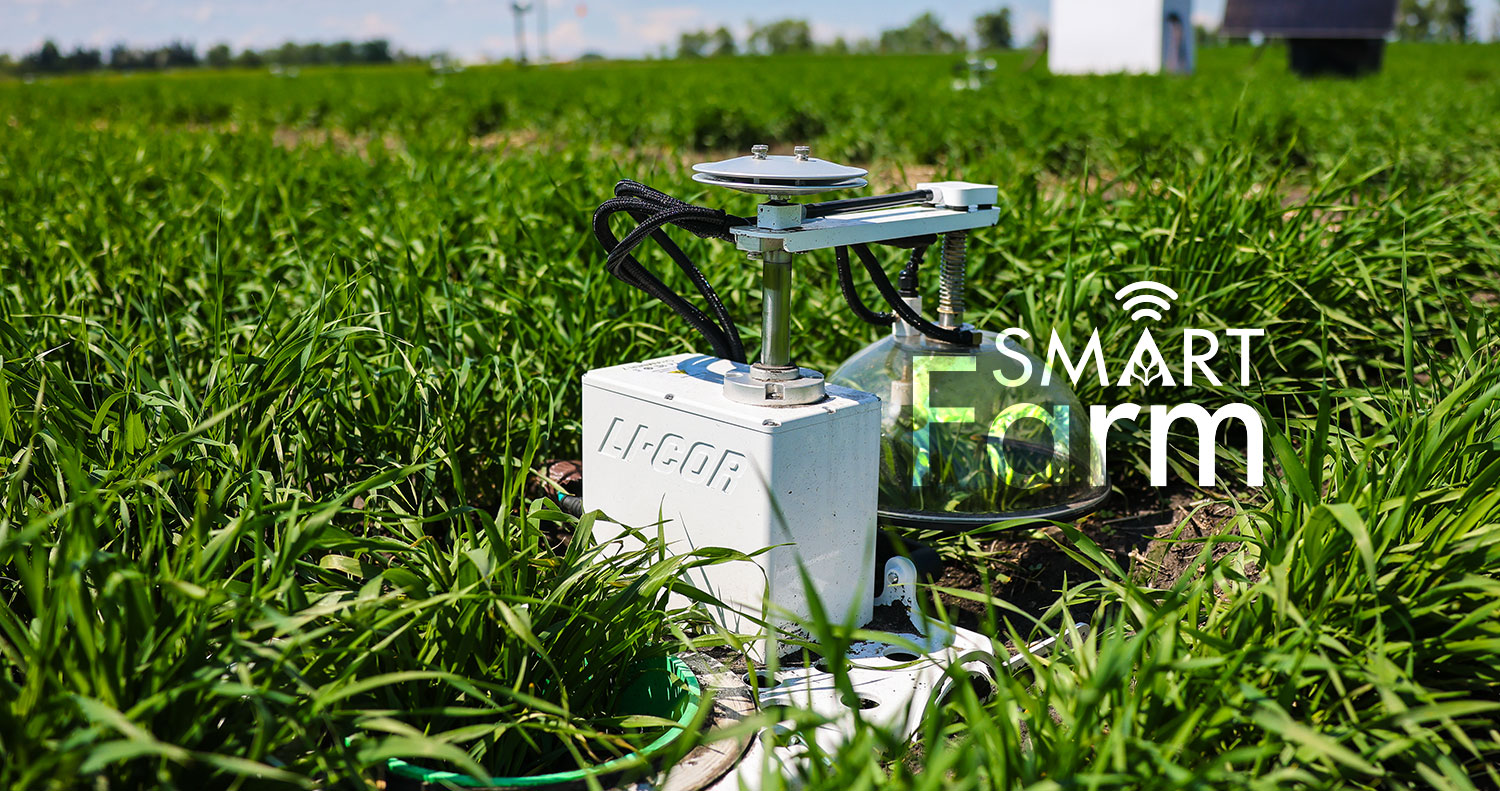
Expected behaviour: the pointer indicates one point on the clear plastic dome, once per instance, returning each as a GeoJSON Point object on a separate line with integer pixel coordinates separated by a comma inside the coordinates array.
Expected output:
{"type": "Point", "coordinates": [966, 442]}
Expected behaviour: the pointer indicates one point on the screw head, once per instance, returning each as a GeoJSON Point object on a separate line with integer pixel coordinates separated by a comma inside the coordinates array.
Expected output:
{"type": "Point", "coordinates": [893, 578]}
{"type": "Point", "coordinates": [802, 152]}
{"type": "Point", "coordinates": [759, 152]}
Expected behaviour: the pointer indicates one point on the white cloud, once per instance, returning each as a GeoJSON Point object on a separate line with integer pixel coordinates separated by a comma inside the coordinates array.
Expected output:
{"type": "Point", "coordinates": [653, 28]}
{"type": "Point", "coordinates": [567, 39]}
{"type": "Point", "coordinates": [373, 25]}
{"type": "Point", "coordinates": [491, 47]}
{"type": "Point", "coordinates": [1025, 24]}
{"type": "Point", "coordinates": [256, 37]}
{"type": "Point", "coordinates": [825, 33]}
{"type": "Point", "coordinates": [100, 36]}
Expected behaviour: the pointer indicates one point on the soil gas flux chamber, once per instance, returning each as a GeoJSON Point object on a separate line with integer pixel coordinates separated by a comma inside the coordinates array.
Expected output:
{"type": "Point", "coordinates": [799, 470]}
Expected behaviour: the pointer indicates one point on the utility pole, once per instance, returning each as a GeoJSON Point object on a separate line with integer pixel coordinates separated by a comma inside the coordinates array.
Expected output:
{"type": "Point", "coordinates": [519, 9]}
{"type": "Point", "coordinates": [541, 31]}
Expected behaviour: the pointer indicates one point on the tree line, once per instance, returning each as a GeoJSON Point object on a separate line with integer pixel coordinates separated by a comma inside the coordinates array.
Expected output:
{"type": "Point", "coordinates": [790, 36]}
{"type": "Point", "coordinates": [51, 59]}
{"type": "Point", "coordinates": [1436, 20]}
{"type": "Point", "coordinates": [1417, 20]}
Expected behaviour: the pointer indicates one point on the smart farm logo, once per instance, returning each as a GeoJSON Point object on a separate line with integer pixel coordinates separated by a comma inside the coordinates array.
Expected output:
{"type": "Point", "coordinates": [1031, 434]}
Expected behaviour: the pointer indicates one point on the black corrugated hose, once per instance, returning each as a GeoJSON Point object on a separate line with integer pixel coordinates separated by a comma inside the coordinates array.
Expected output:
{"type": "Point", "coordinates": [893, 298]}
{"type": "Point", "coordinates": [653, 210]}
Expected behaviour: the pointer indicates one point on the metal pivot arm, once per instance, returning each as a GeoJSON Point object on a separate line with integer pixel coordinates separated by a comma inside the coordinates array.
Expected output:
{"type": "Point", "coordinates": [950, 206]}
{"type": "Point", "coordinates": [825, 208]}
{"type": "Point", "coordinates": [946, 208]}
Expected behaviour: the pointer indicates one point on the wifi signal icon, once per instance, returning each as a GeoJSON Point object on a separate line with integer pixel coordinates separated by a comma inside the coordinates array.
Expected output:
{"type": "Point", "coordinates": [1144, 306]}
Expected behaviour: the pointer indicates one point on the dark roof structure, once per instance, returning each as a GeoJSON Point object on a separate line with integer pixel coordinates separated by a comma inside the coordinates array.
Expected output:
{"type": "Point", "coordinates": [1310, 18]}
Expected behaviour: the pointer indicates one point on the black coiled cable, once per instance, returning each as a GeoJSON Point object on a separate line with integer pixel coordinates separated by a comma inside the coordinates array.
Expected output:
{"type": "Point", "coordinates": [907, 282]}
{"type": "Point", "coordinates": [851, 297]}
{"type": "Point", "coordinates": [653, 210]}
{"type": "Point", "coordinates": [893, 298]}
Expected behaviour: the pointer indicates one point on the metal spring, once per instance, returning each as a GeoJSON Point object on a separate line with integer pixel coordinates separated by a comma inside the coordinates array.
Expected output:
{"type": "Point", "coordinates": [951, 279]}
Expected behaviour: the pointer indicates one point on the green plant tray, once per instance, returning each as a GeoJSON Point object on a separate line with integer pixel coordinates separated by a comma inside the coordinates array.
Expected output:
{"type": "Point", "coordinates": [664, 687]}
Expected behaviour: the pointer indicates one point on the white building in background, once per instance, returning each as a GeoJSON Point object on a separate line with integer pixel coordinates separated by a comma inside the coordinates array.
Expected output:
{"type": "Point", "coordinates": [1106, 36]}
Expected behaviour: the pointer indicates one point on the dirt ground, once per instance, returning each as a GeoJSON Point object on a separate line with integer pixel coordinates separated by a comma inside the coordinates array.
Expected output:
{"type": "Point", "coordinates": [1154, 534]}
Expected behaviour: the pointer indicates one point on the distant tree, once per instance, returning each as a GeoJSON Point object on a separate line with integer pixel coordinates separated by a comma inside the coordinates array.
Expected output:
{"type": "Point", "coordinates": [1453, 16]}
{"type": "Point", "coordinates": [838, 47]}
{"type": "Point", "coordinates": [177, 55]}
{"type": "Point", "coordinates": [46, 60]}
{"type": "Point", "coordinates": [250, 59]}
{"type": "Point", "coordinates": [692, 44]}
{"type": "Point", "coordinates": [993, 29]}
{"type": "Point", "coordinates": [924, 34]}
{"type": "Point", "coordinates": [81, 59]}
{"type": "Point", "coordinates": [123, 58]}
{"type": "Point", "coordinates": [704, 43]}
{"type": "Point", "coordinates": [1434, 20]}
{"type": "Point", "coordinates": [782, 37]}
{"type": "Point", "coordinates": [7, 65]}
{"type": "Point", "coordinates": [287, 54]}
{"type": "Point", "coordinates": [219, 56]}
{"type": "Point", "coordinates": [181, 55]}
{"type": "Point", "coordinates": [1414, 20]}
{"type": "Point", "coordinates": [721, 43]}
{"type": "Point", "coordinates": [376, 50]}
{"type": "Point", "coordinates": [342, 53]}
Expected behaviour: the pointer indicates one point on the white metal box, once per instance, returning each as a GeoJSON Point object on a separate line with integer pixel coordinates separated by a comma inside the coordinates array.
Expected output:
{"type": "Point", "coordinates": [662, 444]}
{"type": "Point", "coordinates": [1104, 36]}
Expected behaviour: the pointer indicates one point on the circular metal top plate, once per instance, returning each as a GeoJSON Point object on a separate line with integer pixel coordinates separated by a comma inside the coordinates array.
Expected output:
{"type": "Point", "coordinates": [780, 169]}
{"type": "Point", "coordinates": [777, 187]}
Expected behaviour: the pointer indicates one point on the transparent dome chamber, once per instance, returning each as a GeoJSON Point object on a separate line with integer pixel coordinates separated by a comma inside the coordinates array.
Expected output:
{"type": "Point", "coordinates": [968, 440]}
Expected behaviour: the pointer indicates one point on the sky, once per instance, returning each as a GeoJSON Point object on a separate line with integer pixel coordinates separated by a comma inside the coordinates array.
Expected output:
{"type": "Point", "coordinates": [475, 30]}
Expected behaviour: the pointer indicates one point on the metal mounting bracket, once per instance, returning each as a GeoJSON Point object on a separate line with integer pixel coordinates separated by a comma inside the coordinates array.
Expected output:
{"type": "Point", "coordinates": [862, 227]}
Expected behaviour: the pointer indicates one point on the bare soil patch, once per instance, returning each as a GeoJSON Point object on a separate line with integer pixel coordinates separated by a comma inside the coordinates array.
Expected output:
{"type": "Point", "coordinates": [1155, 534]}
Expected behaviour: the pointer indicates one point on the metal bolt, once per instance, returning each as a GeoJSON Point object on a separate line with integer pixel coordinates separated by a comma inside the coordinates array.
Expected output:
{"type": "Point", "coordinates": [893, 578]}
{"type": "Point", "coordinates": [669, 396]}
{"type": "Point", "coordinates": [759, 152]}
{"type": "Point", "coordinates": [770, 422]}
{"type": "Point", "coordinates": [802, 152]}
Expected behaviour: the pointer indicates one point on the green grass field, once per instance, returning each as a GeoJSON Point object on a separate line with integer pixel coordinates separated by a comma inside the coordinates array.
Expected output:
{"type": "Point", "coordinates": [277, 352]}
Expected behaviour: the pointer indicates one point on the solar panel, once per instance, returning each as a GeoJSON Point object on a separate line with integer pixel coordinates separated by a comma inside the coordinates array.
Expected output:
{"type": "Point", "coordinates": [1310, 18]}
